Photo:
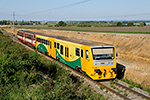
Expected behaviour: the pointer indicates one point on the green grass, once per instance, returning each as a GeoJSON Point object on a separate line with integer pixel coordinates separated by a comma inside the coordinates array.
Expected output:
{"type": "Point", "coordinates": [27, 75]}
{"type": "Point", "coordinates": [86, 30]}
{"type": "Point", "coordinates": [133, 84]}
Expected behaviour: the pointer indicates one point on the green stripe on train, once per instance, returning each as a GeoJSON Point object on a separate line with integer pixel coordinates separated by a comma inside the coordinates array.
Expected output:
{"type": "Point", "coordinates": [72, 64]}
{"type": "Point", "coordinates": [42, 48]}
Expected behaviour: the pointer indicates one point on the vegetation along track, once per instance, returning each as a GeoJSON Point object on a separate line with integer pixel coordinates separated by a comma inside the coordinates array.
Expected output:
{"type": "Point", "coordinates": [111, 87]}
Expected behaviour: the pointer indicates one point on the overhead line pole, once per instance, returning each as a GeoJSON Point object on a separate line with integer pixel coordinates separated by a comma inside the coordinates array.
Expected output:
{"type": "Point", "coordinates": [13, 24]}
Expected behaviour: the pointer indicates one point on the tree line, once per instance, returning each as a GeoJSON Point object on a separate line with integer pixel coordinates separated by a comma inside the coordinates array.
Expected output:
{"type": "Point", "coordinates": [8, 22]}
{"type": "Point", "coordinates": [76, 23]}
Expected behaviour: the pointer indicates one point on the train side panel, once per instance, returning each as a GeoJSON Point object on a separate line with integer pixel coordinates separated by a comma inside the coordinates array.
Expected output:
{"type": "Point", "coordinates": [42, 44]}
{"type": "Point", "coordinates": [66, 53]}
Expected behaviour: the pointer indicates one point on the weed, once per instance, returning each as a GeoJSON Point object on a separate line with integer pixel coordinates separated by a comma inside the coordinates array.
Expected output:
{"type": "Point", "coordinates": [114, 87]}
{"type": "Point", "coordinates": [106, 91]}
{"type": "Point", "coordinates": [101, 87]}
{"type": "Point", "coordinates": [111, 83]}
{"type": "Point", "coordinates": [125, 94]}
{"type": "Point", "coordinates": [117, 89]}
{"type": "Point", "coordinates": [131, 86]}
{"type": "Point", "coordinates": [116, 80]}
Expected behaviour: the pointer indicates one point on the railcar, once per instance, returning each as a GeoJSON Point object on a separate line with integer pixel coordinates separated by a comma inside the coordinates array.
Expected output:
{"type": "Point", "coordinates": [27, 37]}
{"type": "Point", "coordinates": [97, 60]}
{"type": "Point", "coordinates": [20, 35]}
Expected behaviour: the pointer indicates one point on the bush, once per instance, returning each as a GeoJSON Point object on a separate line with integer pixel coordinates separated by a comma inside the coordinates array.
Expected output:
{"type": "Point", "coordinates": [26, 75]}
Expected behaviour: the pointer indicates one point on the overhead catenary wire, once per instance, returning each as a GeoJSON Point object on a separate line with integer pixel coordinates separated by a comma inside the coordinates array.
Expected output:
{"type": "Point", "coordinates": [50, 10]}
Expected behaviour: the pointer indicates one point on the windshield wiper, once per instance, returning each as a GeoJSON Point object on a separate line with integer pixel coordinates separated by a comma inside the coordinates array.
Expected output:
{"type": "Point", "coordinates": [97, 58]}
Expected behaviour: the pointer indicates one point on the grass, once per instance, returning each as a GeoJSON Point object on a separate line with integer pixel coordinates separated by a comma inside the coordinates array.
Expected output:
{"type": "Point", "coordinates": [133, 84]}
{"type": "Point", "coordinates": [27, 75]}
{"type": "Point", "coordinates": [88, 30]}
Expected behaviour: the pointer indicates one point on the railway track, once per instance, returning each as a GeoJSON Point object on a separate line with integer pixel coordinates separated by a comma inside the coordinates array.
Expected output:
{"type": "Point", "coordinates": [111, 87]}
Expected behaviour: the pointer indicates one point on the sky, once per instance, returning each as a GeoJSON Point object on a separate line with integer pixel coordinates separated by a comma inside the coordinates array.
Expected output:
{"type": "Point", "coordinates": [75, 10]}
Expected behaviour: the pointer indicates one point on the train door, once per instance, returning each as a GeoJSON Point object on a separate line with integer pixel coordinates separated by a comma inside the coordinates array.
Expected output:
{"type": "Point", "coordinates": [50, 47]}
{"type": "Point", "coordinates": [53, 46]}
{"type": "Point", "coordinates": [83, 59]}
{"type": "Point", "coordinates": [66, 53]}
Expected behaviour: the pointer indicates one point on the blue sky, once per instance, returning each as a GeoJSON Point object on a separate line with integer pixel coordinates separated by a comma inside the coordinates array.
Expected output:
{"type": "Point", "coordinates": [55, 10]}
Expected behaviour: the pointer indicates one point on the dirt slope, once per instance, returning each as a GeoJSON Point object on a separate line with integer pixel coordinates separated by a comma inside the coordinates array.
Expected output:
{"type": "Point", "coordinates": [134, 50]}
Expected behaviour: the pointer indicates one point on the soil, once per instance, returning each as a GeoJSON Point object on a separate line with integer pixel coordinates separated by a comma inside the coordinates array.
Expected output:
{"type": "Point", "coordinates": [133, 50]}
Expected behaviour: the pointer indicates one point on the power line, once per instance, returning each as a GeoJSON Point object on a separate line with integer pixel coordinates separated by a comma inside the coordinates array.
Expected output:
{"type": "Point", "coordinates": [65, 6]}
{"type": "Point", "coordinates": [49, 10]}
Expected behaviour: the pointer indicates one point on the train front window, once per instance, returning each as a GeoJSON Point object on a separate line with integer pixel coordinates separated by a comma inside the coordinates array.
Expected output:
{"type": "Point", "coordinates": [103, 53]}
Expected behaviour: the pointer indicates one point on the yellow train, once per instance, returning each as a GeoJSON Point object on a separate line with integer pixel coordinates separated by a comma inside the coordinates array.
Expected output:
{"type": "Point", "coordinates": [97, 60]}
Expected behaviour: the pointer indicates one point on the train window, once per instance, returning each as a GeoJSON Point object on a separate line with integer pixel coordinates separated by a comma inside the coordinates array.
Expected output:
{"type": "Point", "coordinates": [61, 49]}
{"type": "Point", "coordinates": [87, 54]}
{"type": "Point", "coordinates": [44, 41]}
{"type": "Point", "coordinates": [82, 53]}
{"type": "Point", "coordinates": [30, 37]}
{"type": "Point", "coordinates": [57, 45]}
{"type": "Point", "coordinates": [20, 34]}
{"type": "Point", "coordinates": [66, 51]}
{"type": "Point", "coordinates": [47, 42]}
{"type": "Point", "coordinates": [37, 39]}
{"type": "Point", "coordinates": [77, 52]}
{"type": "Point", "coordinates": [54, 44]}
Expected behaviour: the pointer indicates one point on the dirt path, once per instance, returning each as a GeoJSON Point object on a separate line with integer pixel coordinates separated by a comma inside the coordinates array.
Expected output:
{"type": "Point", "coordinates": [133, 50]}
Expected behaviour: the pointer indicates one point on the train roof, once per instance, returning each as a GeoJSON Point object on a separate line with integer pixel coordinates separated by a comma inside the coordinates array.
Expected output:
{"type": "Point", "coordinates": [29, 32]}
{"type": "Point", "coordinates": [78, 41]}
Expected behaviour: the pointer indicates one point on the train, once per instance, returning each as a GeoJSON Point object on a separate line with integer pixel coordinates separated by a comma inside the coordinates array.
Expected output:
{"type": "Point", "coordinates": [97, 60]}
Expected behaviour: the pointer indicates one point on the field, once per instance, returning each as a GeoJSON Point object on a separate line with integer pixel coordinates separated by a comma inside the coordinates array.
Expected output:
{"type": "Point", "coordinates": [133, 49]}
{"type": "Point", "coordinates": [134, 29]}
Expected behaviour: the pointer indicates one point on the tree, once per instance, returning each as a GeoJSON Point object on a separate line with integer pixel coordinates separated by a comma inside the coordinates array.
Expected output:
{"type": "Point", "coordinates": [144, 23]}
{"type": "Point", "coordinates": [119, 24]}
{"type": "Point", "coordinates": [141, 24]}
{"type": "Point", "coordinates": [130, 24]}
{"type": "Point", "coordinates": [61, 23]}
